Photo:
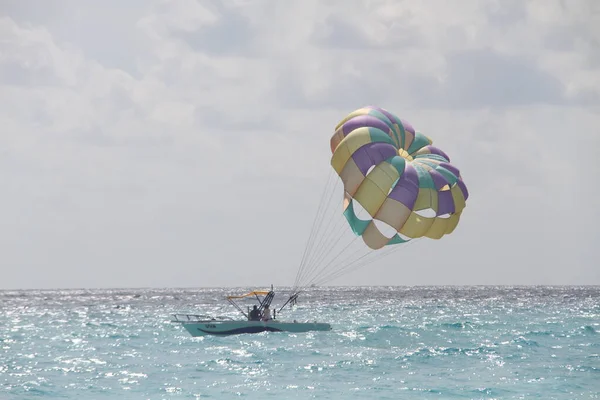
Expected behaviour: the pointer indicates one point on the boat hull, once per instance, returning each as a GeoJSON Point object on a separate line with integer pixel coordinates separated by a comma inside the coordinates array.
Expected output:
{"type": "Point", "coordinates": [226, 328]}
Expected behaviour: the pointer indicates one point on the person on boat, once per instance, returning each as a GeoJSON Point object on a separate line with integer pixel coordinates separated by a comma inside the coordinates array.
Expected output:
{"type": "Point", "coordinates": [266, 314]}
{"type": "Point", "coordinates": [254, 314]}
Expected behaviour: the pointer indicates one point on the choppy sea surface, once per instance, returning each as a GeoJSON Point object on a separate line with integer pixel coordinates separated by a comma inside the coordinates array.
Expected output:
{"type": "Point", "coordinates": [386, 343]}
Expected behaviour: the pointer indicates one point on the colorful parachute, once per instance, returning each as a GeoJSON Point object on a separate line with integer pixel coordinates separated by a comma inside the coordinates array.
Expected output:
{"type": "Point", "coordinates": [407, 186]}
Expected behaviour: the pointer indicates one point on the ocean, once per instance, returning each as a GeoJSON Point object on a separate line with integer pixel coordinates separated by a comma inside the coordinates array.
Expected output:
{"type": "Point", "coordinates": [386, 343]}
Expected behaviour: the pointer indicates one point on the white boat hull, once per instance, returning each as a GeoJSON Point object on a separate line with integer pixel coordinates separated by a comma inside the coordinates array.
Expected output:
{"type": "Point", "coordinates": [225, 328]}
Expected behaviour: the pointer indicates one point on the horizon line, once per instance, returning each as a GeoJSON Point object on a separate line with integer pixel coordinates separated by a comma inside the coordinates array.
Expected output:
{"type": "Point", "coordinates": [311, 288]}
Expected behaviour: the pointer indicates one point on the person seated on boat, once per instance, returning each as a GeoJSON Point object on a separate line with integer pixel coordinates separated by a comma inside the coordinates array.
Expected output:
{"type": "Point", "coordinates": [254, 314]}
{"type": "Point", "coordinates": [266, 314]}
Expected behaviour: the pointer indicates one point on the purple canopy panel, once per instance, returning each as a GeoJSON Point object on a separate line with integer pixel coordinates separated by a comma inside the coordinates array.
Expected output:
{"type": "Point", "coordinates": [407, 126]}
{"type": "Point", "coordinates": [463, 188]}
{"type": "Point", "coordinates": [407, 187]}
{"type": "Point", "coordinates": [406, 195]}
{"type": "Point", "coordinates": [445, 203]}
{"type": "Point", "coordinates": [410, 174]}
{"type": "Point", "coordinates": [372, 154]}
{"type": "Point", "coordinates": [364, 121]}
{"type": "Point", "coordinates": [438, 179]}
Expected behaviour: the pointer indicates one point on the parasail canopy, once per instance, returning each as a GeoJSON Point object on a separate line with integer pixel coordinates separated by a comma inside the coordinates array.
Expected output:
{"type": "Point", "coordinates": [407, 186]}
{"type": "Point", "coordinates": [397, 188]}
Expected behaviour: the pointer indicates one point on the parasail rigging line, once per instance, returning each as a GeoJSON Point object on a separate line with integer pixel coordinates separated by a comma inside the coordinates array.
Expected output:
{"type": "Point", "coordinates": [312, 231]}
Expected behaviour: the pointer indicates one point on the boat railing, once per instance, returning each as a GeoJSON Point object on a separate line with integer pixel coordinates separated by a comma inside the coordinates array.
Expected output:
{"type": "Point", "coordinates": [183, 318]}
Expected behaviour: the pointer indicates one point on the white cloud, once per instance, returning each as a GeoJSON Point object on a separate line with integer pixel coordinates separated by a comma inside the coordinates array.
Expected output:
{"type": "Point", "coordinates": [143, 142]}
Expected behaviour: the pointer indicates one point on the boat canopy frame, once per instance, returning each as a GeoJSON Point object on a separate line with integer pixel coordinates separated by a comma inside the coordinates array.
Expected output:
{"type": "Point", "coordinates": [262, 302]}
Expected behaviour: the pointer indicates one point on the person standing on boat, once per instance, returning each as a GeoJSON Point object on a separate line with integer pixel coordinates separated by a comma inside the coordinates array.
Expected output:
{"type": "Point", "coordinates": [266, 314]}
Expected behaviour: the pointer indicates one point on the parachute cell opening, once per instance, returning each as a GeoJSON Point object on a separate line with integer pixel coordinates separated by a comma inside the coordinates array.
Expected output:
{"type": "Point", "coordinates": [426, 213]}
{"type": "Point", "coordinates": [360, 212]}
{"type": "Point", "coordinates": [385, 229]}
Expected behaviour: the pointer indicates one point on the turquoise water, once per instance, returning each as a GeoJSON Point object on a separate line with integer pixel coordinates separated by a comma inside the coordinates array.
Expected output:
{"type": "Point", "coordinates": [386, 343]}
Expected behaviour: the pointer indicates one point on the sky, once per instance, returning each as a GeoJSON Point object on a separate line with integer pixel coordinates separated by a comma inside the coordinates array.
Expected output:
{"type": "Point", "coordinates": [186, 144]}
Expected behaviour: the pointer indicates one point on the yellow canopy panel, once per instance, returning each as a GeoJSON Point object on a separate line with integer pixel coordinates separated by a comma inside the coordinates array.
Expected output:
{"type": "Point", "coordinates": [254, 293]}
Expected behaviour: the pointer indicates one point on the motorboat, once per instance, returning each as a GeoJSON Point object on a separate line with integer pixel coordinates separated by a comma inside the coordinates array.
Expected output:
{"type": "Point", "coordinates": [198, 325]}
{"type": "Point", "coordinates": [204, 325]}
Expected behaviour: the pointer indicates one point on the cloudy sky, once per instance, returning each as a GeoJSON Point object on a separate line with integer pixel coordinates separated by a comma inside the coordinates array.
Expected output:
{"type": "Point", "coordinates": [184, 144]}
